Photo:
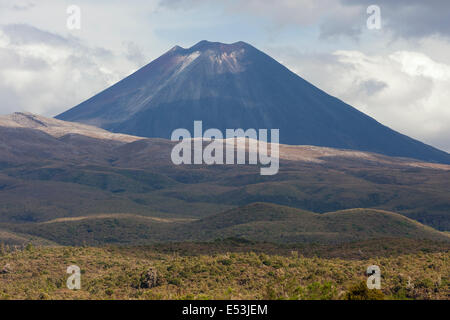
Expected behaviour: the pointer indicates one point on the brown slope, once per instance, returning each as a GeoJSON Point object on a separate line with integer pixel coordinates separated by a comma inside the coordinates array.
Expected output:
{"type": "Point", "coordinates": [74, 172]}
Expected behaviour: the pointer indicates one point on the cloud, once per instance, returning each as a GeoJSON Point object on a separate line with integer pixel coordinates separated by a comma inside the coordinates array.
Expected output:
{"type": "Point", "coordinates": [135, 53]}
{"type": "Point", "coordinates": [45, 73]}
{"type": "Point", "coordinates": [372, 86]}
{"type": "Point", "coordinates": [23, 34]}
{"type": "Point", "coordinates": [23, 6]}
{"type": "Point", "coordinates": [400, 18]}
{"type": "Point", "coordinates": [411, 18]}
{"type": "Point", "coordinates": [405, 90]}
{"type": "Point", "coordinates": [284, 12]}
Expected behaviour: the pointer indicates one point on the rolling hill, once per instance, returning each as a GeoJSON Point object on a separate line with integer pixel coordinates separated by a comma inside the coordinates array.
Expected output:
{"type": "Point", "coordinates": [255, 222]}
{"type": "Point", "coordinates": [280, 224]}
{"type": "Point", "coordinates": [73, 184]}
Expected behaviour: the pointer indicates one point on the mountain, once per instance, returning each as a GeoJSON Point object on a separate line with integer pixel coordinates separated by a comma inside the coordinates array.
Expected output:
{"type": "Point", "coordinates": [238, 86]}
{"type": "Point", "coordinates": [67, 183]}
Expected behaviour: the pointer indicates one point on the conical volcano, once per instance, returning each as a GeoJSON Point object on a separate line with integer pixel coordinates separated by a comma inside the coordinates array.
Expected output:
{"type": "Point", "coordinates": [238, 86]}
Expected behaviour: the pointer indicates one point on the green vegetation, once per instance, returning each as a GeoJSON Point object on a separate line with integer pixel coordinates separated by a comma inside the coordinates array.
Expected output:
{"type": "Point", "coordinates": [185, 271]}
{"type": "Point", "coordinates": [201, 232]}
{"type": "Point", "coordinates": [78, 178]}
{"type": "Point", "coordinates": [274, 223]}
{"type": "Point", "coordinates": [361, 292]}
{"type": "Point", "coordinates": [254, 222]}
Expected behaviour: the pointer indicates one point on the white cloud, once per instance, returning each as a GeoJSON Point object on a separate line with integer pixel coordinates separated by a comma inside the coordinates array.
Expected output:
{"type": "Point", "coordinates": [405, 90]}
{"type": "Point", "coordinates": [44, 76]}
{"type": "Point", "coordinates": [418, 64]}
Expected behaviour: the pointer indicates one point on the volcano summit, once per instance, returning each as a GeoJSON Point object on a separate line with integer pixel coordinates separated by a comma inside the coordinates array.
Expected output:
{"type": "Point", "coordinates": [238, 86]}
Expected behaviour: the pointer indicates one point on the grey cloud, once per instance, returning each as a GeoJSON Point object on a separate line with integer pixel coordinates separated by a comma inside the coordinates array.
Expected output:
{"type": "Point", "coordinates": [23, 6]}
{"type": "Point", "coordinates": [401, 18]}
{"type": "Point", "coordinates": [176, 4]}
{"type": "Point", "coordinates": [282, 12]}
{"type": "Point", "coordinates": [11, 60]}
{"type": "Point", "coordinates": [46, 73]}
{"type": "Point", "coordinates": [410, 18]}
{"type": "Point", "coordinates": [373, 86]}
{"type": "Point", "coordinates": [441, 141]}
{"type": "Point", "coordinates": [134, 53]}
{"type": "Point", "coordinates": [26, 34]}
{"type": "Point", "coordinates": [338, 27]}
{"type": "Point", "coordinates": [10, 100]}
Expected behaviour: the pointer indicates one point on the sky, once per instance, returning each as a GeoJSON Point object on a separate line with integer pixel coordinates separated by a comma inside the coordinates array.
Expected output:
{"type": "Point", "coordinates": [398, 73]}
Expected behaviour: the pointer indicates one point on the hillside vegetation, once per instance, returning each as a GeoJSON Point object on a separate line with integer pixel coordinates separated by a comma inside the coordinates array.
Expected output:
{"type": "Point", "coordinates": [274, 223]}
{"type": "Point", "coordinates": [123, 273]}
{"type": "Point", "coordinates": [52, 169]}
{"type": "Point", "coordinates": [256, 222]}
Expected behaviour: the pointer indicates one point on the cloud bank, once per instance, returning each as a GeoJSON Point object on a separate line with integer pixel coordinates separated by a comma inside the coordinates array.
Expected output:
{"type": "Point", "coordinates": [45, 73]}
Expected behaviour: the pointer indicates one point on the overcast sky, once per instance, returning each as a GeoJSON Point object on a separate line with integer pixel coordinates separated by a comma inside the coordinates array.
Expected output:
{"type": "Point", "coordinates": [399, 74]}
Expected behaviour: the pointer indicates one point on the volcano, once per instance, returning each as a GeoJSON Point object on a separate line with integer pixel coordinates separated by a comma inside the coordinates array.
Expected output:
{"type": "Point", "coordinates": [238, 86]}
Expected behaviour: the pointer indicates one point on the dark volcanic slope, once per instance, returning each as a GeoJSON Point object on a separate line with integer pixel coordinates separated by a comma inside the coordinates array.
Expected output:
{"type": "Point", "coordinates": [238, 86]}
